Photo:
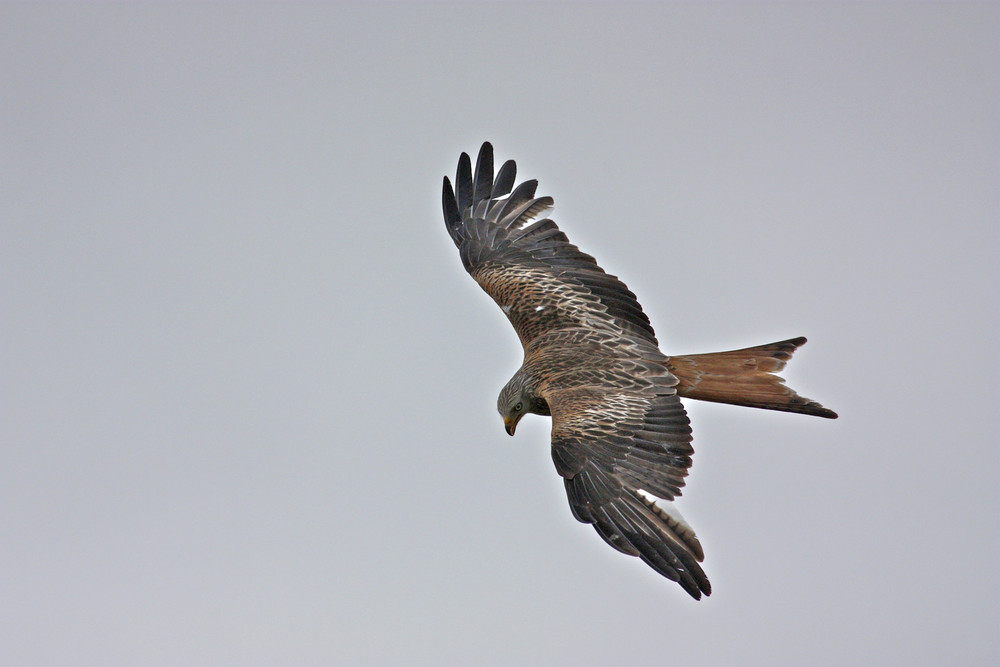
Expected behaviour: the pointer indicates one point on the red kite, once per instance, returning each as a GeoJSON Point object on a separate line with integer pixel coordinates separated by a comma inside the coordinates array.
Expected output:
{"type": "Point", "coordinates": [621, 439]}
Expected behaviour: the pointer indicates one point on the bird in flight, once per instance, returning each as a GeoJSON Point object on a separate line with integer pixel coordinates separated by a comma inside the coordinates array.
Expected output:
{"type": "Point", "coordinates": [621, 439]}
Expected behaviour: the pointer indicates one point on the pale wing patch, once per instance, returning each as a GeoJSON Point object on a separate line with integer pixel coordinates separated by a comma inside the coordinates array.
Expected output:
{"type": "Point", "coordinates": [530, 216]}
{"type": "Point", "coordinates": [668, 512]}
{"type": "Point", "coordinates": [667, 506]}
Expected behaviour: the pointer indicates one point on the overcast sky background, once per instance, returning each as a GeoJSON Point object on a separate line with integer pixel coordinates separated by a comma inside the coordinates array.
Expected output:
{"type": "Point", "coordinates": [247, 391]}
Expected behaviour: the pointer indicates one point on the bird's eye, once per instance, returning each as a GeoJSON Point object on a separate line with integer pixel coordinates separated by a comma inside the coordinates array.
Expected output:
{"type": "Point", "coordinates": [517, 408]}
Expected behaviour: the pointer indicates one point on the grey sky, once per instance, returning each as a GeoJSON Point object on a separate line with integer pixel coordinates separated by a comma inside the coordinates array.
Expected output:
{"type": "Point", "coordinates": [247, 390]}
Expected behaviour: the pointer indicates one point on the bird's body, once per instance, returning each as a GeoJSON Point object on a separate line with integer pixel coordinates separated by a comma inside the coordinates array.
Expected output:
{"type": "Point", "coordinates": [621, 439]}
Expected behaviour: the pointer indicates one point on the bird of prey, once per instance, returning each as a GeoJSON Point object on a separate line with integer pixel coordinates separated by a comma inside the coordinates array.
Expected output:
{"type": "Point", "coordinates": [621, 439]}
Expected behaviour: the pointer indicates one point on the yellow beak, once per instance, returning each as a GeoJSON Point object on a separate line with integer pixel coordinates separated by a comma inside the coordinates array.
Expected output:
{"type": "Point", "coordinates": [510, 424]}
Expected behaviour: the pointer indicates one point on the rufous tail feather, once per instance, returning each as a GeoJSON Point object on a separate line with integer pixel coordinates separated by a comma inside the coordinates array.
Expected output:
{"type": "Point", "coordinates": [744, 377]}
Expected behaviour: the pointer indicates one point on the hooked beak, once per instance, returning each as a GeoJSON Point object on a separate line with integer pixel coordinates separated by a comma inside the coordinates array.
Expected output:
{"type": "Point", "coordinates": [510, 424]}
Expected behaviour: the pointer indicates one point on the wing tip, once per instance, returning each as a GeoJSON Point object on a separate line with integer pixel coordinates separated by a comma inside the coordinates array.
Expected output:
{"type": "Point", "coordinates": [463, 182]}
{"type": "Point", "coordinates": [483, 181]}
{"type": "Point", "coordinates": [452, 217]}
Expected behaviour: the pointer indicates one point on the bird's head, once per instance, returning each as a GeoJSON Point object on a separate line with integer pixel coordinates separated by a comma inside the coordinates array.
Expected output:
{"type": "Point", "coordinates": [516, 400]}
{"type": "Point", "coordinates": [512, 413]}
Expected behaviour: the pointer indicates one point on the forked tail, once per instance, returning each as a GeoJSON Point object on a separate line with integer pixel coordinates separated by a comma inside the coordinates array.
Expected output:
{"type": "Point", "coordinates": [744, 377]}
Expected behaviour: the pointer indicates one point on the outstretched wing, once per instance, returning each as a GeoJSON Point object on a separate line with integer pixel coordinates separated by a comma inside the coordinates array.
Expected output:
{"type": "Point", "coordinates": [623, 454]}
{"type": "Point", "coordinates": [540, 280]}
